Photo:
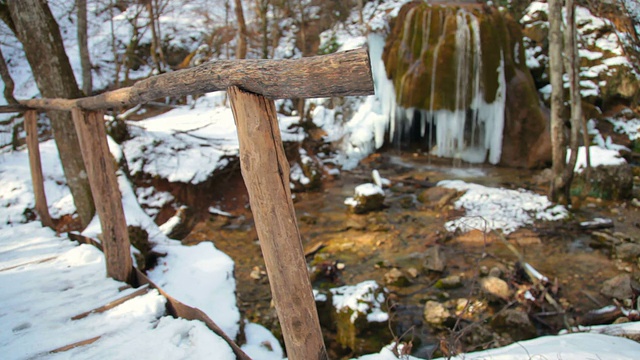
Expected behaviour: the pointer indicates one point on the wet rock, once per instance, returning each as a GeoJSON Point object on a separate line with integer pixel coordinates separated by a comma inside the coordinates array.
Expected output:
{"type": "Point", "coordinates": [413, 272]}
{"type": "Point", "coordinates": [357, 316]}
{"type": "Point", "coordinates": [618, 287]}
{"type": "Point", "coordinates": [516, 323]}
{"type": "Point", "coordinates": [395, 277]}
{"type": "Point", "coordinates": [495, 272]}
{"type": "Point", "coordinates": [368, 197]}
{"type": "Point", "coordinates": [495, 288]}
{"type": "Point", "coordinates": [605, 239]}
{"type": "Point", "coordinates": [449, 282]}
{"type": "Point", "coordinates": [484, 271]}
{"type": "Point", "coordinates": [628, 251]}
{"type": "Point", "coordinates": [613, 182]}
{"type": "Point", "coordinates": [435, 259]}
{"type": "Point", "coordinates": [435, 313]}
{"type": "Point", "coordinates": [437, 197]}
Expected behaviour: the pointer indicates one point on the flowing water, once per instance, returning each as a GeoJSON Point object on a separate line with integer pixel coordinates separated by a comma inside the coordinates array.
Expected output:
{"type": "Point", "coordinates": [397, 237]}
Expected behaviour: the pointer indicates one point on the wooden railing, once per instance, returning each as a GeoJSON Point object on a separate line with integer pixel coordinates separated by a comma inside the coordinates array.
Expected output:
{"type": "Point", "coordinates": [252, 85]}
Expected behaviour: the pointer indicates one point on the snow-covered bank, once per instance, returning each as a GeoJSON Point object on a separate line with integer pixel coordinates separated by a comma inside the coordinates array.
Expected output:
{"type": "Point", "coordinates": [46, 280]}
{"type": "Point", "coordinates": [579, 346]}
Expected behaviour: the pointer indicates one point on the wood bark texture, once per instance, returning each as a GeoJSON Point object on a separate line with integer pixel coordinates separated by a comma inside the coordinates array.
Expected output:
{"type": "Point", "coordinates": [9, 85]}
{"type": "Point", "coordinates": [83, 45]}
{"type": "Point", "coordinates": [339, 74]}
{"type": "Point", "coordinates": [31, 127]}
{"type": "Point", "coordinates": [265, 170]}
{"type": "Point", "coordinates": [39, 34]}
{"type": "Point", "coordinates": [104, 185]}
{"type": "Point", "coordinates": [572, 66]}
{"type": "Point", "coordinates": [241, 47]}
{"type": "Point", "coordinates": [558, 143]}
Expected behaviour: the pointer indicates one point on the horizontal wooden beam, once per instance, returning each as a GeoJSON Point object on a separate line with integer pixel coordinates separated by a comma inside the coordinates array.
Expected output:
{"type": "Point", "coordinates": [345, 73]}
{"type": "Point", "coordinates": [13, 108]}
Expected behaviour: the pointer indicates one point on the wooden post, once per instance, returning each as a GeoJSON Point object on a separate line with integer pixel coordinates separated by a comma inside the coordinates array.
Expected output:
{"type": "Point", "coordinates": [31, 127]}
{"type": "Point", "coordinates": [104, 187]}
{"type": "Point", "coordinates": [265, 170]}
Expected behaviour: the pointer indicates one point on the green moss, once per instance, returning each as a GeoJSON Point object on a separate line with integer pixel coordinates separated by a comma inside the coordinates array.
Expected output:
{"type": "Point", "coordinates": [422, 45]}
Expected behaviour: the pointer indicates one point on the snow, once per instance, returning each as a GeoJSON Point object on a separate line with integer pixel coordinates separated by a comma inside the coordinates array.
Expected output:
{"type": "Point", "coordinates": [16, 192]}
{"type": "Point", "coordinates": [577, 346]}
{"type": "Point", "coordinates": [629, 127]}
{"type": "Point", "coordinates": [261, 344]}
{"type": "Point", "coordinates": [598, 157]}
{"type": "Point", "coordinates": [368, 189]}
{"type": "Point", "coordinates": [499, 209]}
{"type": "Point", "coordinates": [216, 211]}
{"type": "Point", "coordinates": [176, 144]}
{"type": "Point", "coordinates": [361, 299]}
{"type": "Point", "coordinates": [46, 280]}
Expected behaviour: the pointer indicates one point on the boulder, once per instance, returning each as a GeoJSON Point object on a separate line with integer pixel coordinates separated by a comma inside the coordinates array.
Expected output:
{"type": "Point", "coordinates": [357, 316]}
{"type": "Point", "coordinates": [435, 259]}
{"type": "Point", "coordinates": [395, 277]}
{"type": "Point", "coordinates": [514, 322]}
{"type": "Point", "coordinates": [618, 287]}
{"type": "Point", "coordinates": [435, 313]}
{"type": "Point", "coordinates": [437, 197]}
{"type": "Point", "coordinates": [368, 197]}
{"type": "Point", "coordinates": [628, 251]}
{"type": "Point", "coordinates": [449, 282]}
{"type": "Point", "coordinates": [495, 288]}
{"type": "Point", "coordinates": [608, 182]}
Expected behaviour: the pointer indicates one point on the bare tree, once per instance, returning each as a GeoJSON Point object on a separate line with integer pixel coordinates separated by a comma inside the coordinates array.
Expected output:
{"type": "Point", "coordinates": [558, 144]}
{"type": "Point", "coordinates": [572, 65]}
{"type": "Point", "coordinates": [262, 9]}
{"type": "Point", "coordinates": [241, 49]}
{"type": "Point", "coordinates": [153, 8]}
{"type": "Point", "coordinates": [9, 86]}
{"type": "Point", "coordinates": [39, 34]}
{"type": "Point", "coordinates": [83, 45]}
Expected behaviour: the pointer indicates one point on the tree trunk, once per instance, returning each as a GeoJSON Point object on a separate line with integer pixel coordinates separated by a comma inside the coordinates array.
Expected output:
{"type": "Point", "coordinates": [555, 68]}
{"type": "Point", "coordinates": [9, 86]}
{"type": "Point", "coordinates": [114, 46]}
{"type": "Point", "coordinates": [154, 36]}
{"type": "Point", "coordinates": [40, 36]}
{"type": "Point", "coordinates": [572, 66]}
{"type": "Point", "coordinates": [241, 49]}
{"type": "Point", "coordinates": [263, 8]}
{"type": "Point", "coordinates": [83, 45]}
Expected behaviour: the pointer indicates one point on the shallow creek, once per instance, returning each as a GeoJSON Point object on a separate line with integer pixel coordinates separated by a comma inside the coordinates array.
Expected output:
{"type": "Point", "coordinates": [368, 246]}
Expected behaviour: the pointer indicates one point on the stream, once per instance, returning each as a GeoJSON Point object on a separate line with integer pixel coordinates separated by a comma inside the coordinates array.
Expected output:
{"type": "Point", "coordinates": [345, 249]}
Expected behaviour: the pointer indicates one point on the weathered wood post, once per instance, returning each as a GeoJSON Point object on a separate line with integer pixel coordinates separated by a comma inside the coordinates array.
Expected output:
{"type": "Point", "coordinates": [106, 193]}
{"type": "Point", "coordinates": [265, 170]}
{"type": "Point", "coordinates": [31, 127]}
{"type": "Point", "coordinates": [253, 85]}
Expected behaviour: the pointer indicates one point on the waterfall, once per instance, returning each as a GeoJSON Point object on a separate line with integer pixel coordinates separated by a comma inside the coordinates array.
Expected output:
{"type": "Point", "coordinates": [466, 126]}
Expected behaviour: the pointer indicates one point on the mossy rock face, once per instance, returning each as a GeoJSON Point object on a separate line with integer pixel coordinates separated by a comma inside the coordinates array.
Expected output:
{"type": "Point", "coordinates": [355, 333]}
{"type": "Point", "coordinates": [433, 50]}
{"type": "Point", "coordinates": [446, 56]}
{"type": "Point", "coordinates": [607, 182]}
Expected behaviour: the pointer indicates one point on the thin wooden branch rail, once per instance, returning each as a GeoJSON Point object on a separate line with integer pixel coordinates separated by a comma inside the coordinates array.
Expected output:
{"type": "Point", "coordinates": [252, 86]}
{"type": "Point", "coordinates": [345, 73]}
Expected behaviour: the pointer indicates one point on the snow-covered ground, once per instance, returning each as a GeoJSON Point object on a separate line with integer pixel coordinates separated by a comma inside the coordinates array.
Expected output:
{"type": "Point", "coordinates": [45, 279]}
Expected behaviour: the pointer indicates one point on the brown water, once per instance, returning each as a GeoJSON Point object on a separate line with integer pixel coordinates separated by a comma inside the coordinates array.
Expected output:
{"type": "Point", "coordinates": [370, 245]}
